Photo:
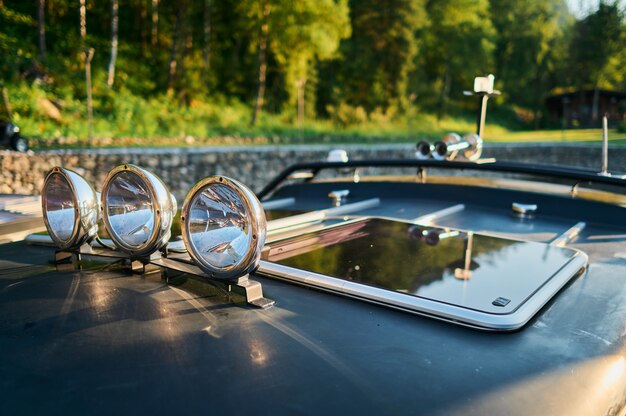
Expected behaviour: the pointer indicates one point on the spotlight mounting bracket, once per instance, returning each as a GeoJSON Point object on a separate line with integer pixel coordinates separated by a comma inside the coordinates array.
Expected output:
{"type": "Point", "coordinates": [250, 289]}
{"type": "Point", "coordinates": [73, 259]}
{"type": "Point", "coordinates": [151, 255]}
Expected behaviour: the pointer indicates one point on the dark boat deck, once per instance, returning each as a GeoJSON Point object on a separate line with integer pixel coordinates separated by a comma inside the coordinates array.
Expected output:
{"type": "Point", "coordinates": [102, 341]}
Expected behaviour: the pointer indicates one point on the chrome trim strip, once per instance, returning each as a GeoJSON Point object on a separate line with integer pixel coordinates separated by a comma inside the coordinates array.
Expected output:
{"type": "Point", "coordinates": [321, 214]}
{"type": "Point", "coordinates": [306, 228]}
{"type": "Point", "coordinates": [278, 203]}
{"type": "Point", "coordinates": [434, 216]}
{"type": "Point", "coordinates": [176, 246]}
{"type": "Point", "coordinates": [185, 265]}
{"type": "Point", "coordinates": [569, 235]}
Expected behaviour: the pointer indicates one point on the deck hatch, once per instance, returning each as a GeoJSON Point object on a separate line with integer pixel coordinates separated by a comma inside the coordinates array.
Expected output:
{"type": "Point", "coordinates": [474, 279]}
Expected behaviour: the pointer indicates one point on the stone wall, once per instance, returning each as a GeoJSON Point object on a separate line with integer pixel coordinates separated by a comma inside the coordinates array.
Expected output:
{"type": "Point", "coordinates": [180, 168]}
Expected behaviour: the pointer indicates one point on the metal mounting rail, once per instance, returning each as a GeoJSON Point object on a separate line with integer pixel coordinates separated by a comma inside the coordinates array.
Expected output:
{"type": "Point", "coordinates": [313, 216]}
{"type": "Point", "coordinates": [250, 289]}
{"type": "Point", "coordinates": [434, 216]}
{"type": "Point", "coordinates": [488, 165]}
{"type": "Point", "coordinates": [569, 235]}
{"type": "Point", "coordinates": [279, 203]}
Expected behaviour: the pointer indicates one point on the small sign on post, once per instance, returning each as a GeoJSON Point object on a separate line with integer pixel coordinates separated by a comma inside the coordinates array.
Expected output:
{"type": "Point", "coordinates": [483, 88]}
{"type": "Point", "coordinates": [484, 84]}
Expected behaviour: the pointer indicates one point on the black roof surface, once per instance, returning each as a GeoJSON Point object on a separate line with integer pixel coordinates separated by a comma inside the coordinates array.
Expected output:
{"type": "Point", "coordinates": [100, 340]}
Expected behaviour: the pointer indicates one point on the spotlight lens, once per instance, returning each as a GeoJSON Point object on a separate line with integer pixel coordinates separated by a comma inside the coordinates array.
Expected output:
{"type": "Point", "coordinates": [59, 207]}
{"type": "Point", "coordinates": [130, 209]}
{"type": "Point", "coordinates": [219, 226]}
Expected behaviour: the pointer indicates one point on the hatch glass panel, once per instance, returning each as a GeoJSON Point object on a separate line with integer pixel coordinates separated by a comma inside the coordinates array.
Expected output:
{"type": "Point", "coordinates": [476, 272]}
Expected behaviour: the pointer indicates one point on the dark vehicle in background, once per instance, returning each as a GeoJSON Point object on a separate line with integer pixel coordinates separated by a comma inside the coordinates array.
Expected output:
{"type": "Point", "coordinates": [11, 138]}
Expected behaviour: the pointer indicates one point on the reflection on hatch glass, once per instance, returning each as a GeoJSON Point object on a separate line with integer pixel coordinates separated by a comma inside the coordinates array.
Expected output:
{"type": "Point", "coordinates": [445, 265]}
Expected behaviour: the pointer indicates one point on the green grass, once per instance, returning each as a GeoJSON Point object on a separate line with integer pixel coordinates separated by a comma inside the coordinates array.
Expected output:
{"type": "Point", "coordinates": [122, 119]}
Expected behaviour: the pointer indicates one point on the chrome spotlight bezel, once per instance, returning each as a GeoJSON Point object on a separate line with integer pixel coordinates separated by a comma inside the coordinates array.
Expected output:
{"type": "Point", "coordinates": [475, 150]}
{"type": "Point", "coordinates": [424, 150]}
{"type": "Point", "coordinates": [258, 225]}
{"type": "Point", "coordinates": [86, 208]}
{"type": "Point", "coordinates": [441, 149]}
{"type": "Point", "coordinates": [163, 202]}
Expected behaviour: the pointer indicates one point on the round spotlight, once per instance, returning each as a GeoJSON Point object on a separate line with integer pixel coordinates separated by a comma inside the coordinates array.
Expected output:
{"type": "Point", "coordinates": [223, 225]}
{"type": "Point", "coordinates": [138, 210]}
{"type": "Point", "coordinates": [70, 208]}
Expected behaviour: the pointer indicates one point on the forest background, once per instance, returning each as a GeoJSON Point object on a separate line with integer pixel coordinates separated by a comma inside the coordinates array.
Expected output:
{"type": "Point", "coordinates": [167, 72]}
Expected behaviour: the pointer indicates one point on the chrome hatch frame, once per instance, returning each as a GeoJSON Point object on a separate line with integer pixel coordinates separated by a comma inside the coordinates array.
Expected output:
{"type": "Point", "coordinates": [459, 315]}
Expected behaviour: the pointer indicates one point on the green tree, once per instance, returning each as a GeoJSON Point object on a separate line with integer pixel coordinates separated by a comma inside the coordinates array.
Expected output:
{"type": "Point", "coordinates": [529, 37]}
{"type": "Point", "coordinates": [266, 8]}
{"type": "Point", "coordinates": [41, 27]}
{"type": "Point", "coordinates": [302, 33]}
{"type": "Point", "coordinates": [458, 45]}
{"type": "Point", "coordinates": [376, 60]}
{"type": "Point", "coordinates": [597, 39]}
{"type": "Point", "coordinates": [114, 42]}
